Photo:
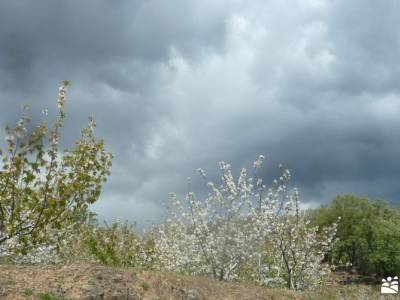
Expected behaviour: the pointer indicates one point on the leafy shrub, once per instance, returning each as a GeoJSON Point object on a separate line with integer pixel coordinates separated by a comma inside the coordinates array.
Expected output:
{"type": "Point", "coordinates": [115, 245]}
{"type": "Point", "coordinates": [43, 193]}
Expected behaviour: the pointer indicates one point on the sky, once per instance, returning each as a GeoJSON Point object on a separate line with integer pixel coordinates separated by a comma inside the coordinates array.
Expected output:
{"type": "Point", "coordinates": [176, 85]}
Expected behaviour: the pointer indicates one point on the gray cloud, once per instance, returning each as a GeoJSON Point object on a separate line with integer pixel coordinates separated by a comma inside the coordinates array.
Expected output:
{"type": "Point", "coordinates": [174, 86]}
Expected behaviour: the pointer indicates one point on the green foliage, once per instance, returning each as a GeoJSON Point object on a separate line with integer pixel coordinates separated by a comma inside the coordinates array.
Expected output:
{"type": "Point", "coordinates": [43, 191]}
{"type": "Point", "coordinates": [48, 296]}
{"type": "Point", "coordinates": [368, 233]}
{"type": "Point", "coordinates": [116, 245]}
{"type": "Point", "coordinates": [145, 286]}
{"type": "Point", "coordinates": [28, 292]}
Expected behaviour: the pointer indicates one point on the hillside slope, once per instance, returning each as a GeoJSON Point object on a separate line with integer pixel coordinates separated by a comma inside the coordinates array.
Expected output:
{"type": "Point", "coordinates": [98, 282]}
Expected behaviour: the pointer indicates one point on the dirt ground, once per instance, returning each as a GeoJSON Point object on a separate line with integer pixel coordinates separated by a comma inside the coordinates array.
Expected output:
{"type": "Point", "coordinates": [98, 282]}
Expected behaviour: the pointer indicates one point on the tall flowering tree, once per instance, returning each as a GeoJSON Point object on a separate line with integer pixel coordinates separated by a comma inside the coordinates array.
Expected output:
{"type": "Point", "coordinates": [293, 251]}
{"type": "Point", "coordinates": [42, 190]}
{"type": "Point", "coordinates": [301, 250]}
{"type": "Point", "coordinates": [289, 250]}
{"type": "Point", "coordinates": [211, 236]}
{"type": "Point", "coordinates": [245, 230]}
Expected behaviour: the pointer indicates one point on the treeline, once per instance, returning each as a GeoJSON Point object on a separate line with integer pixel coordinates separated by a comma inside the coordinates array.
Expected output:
{"type": "Point", "coordinates": [367, 237]}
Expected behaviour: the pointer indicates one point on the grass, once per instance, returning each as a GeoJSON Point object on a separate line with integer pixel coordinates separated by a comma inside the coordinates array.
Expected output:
{"type": "Point", "coordinates": [145, 286]}
{"type": "Point", "coordinates": [28, 292]}
{"type": "Point", "coordinates": [171, 285]}
{"type": "Point", "coordinates": [48, 296]}
{"type": "Point", "coordinates": [353, 291]}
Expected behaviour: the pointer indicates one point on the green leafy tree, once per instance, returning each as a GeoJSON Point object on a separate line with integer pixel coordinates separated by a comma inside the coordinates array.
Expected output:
{"type": "Point", "coordinates": [42, 190]}
{"type": "Point", "coordinates": [368, 233]}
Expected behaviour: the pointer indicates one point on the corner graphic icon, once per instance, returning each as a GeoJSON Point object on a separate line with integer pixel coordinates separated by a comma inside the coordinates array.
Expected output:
{"type": "Point", "coordinates": [390, 285]}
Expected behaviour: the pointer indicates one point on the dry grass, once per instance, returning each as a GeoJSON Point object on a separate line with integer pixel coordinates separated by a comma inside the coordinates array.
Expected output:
{"type": "Point", "coordinates": [99, 282]}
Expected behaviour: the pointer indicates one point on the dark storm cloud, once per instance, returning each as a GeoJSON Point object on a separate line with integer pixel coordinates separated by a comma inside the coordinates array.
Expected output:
{"type": "Point", "coordinates": [184, 84]}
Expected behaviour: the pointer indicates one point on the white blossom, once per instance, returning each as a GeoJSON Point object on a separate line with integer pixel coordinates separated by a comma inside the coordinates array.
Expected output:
{"type": "Point", "coordinates": [240, 226]}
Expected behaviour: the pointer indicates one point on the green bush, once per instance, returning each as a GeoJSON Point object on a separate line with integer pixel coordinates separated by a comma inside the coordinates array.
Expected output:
{"type": "Point", "coordinates": [113, 245]}
{"type": "Point", "coordinates": [368, 233]}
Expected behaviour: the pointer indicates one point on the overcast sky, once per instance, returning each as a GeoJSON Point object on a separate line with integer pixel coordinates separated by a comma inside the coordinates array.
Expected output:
{"type": "Point", "coordinates": [176, 85]}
